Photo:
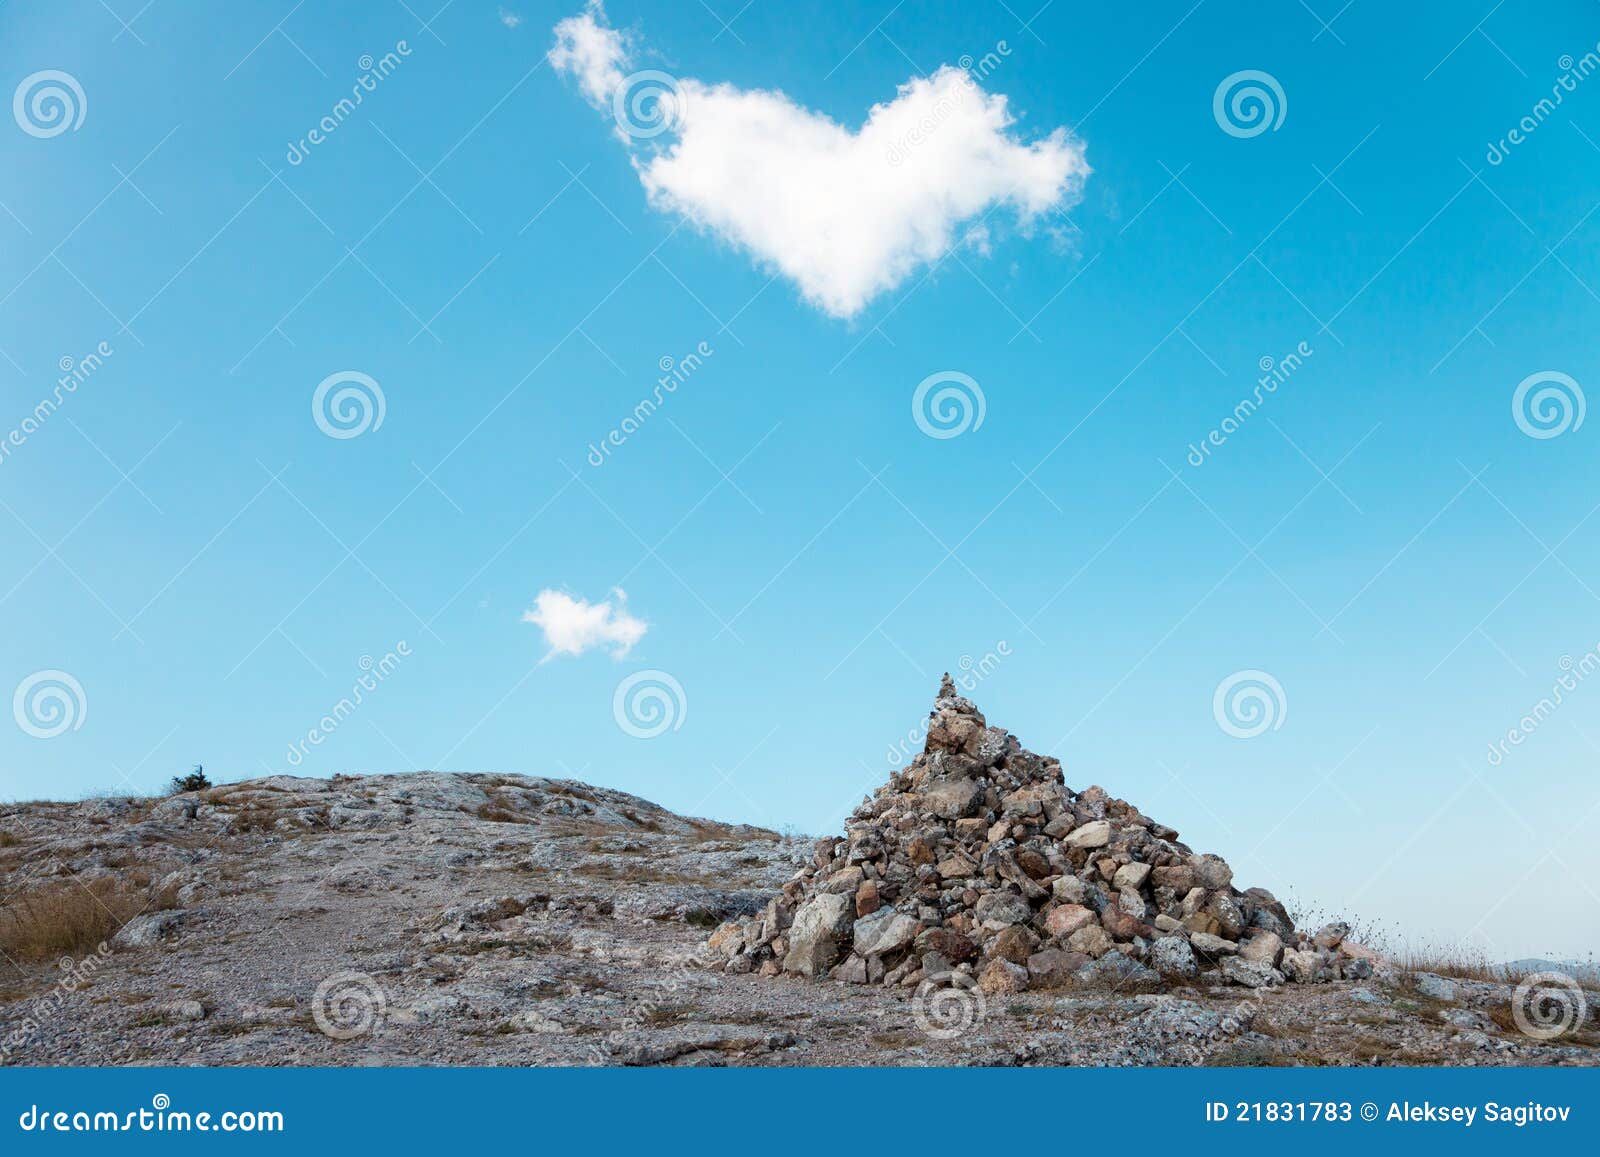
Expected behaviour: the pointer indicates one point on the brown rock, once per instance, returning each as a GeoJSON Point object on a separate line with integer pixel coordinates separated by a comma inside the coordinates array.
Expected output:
{"type": "Point", "coordinates": [1003, 978]}
{"type": "Point", "coordinates": [1091, 940]}
{"type": "Point", "coordinates": [867, 901]}
{"type": "Point", "coordinates": [1015, 944]}
{"type": "Point", "coordinates": [950, 944]}
{"type": "Point", "coordinates": [1064, 920]}
{"type": "Point", "coordinates": [1053, 968]}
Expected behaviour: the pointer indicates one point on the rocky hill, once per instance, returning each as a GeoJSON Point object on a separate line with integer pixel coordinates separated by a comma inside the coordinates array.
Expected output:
{"type": "Point", "coordinates": [433, 918]}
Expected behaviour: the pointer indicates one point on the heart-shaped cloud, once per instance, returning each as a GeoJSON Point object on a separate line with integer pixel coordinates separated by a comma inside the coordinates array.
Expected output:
{"type": "Point", "coordinates": [846, 215]}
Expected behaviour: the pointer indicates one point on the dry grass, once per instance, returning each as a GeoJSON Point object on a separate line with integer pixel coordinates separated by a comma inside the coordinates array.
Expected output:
{"type": "Point", "coordinates": [8, 840]}
{"type": "Point", "coordinates": [496, 813]}
{"type": "Point", "coordinates": [69, 918]}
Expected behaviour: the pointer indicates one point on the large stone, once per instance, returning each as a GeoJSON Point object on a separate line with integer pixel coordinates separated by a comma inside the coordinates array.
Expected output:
{"type": "Point", "coordinates": [1003, 978]}
{"type": "Point", "coordinates": [820, 925]}
{"type": "Point", "coordinates": [996, 910]}
{"type": "Point", "coordinates": [1211, 872]}
{"type": "Point", "coordinates": [1130, 877]}
{"type": "Point", "coordinates": [1067, 919]}
{"type": "Point", "coordinates": [1070, 890]}
{"type": "Point", "coordinates": [1120, 973]}
{"type": "Point", "coordinates": [1250, 973]}
{"type": "Point", "coordinates": [953, 799]}
{"type": "Point", "coordinates": [867, 899]}
{"type": "Point", "coordinates": [1091, 835]}
{"type": "Point", "coordinates": [1212, 947]}
{"type": "Point", "coordinates": [1265, 947]}
{"type": "Point", "coordinates": [148, 930]}
{"type": "Point", "coordinates": [1331, 935]}
{"type": "Point", "coordinates": [852, 971]}
{"type": "Point", "coordinates": [947, 943]}
{"type": "Point", "coordinates": [884, 932]}
{"type": "Point", "coordinates": [1015, 944]}
{"type": "Point", "coordinates": [1091, 940]}
{"type": "Point", "coordinates": [1303, 966]}
{"type": "Point", "coordinates": [1172, 956]}
{"type": "Point", "coordinates": [1052, 968]}
{"type": "Point", "coordinates": [1434, 987]}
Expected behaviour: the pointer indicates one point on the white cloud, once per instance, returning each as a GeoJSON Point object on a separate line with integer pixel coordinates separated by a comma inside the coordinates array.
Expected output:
{"type": "Point", "coordinates": [845, 214]}
{"type": "Point", "coordinates": [592, 51]}
{"type": "Point", "coordinates": [509, 18]}
{"type": "Point", "coordinates": [572, 626]}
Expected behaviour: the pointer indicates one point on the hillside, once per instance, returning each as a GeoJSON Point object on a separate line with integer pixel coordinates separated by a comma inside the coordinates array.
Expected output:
{"type": "Point", "coordinates": [436, 918]}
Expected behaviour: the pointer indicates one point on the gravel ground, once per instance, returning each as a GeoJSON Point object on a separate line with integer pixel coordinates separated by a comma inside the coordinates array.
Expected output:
{"type": "Point", "coordinates": [505, 920]}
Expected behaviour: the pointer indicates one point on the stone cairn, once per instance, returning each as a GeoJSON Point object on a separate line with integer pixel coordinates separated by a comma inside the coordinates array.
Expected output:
{"type": "Point", "coordinates": [976, 864]}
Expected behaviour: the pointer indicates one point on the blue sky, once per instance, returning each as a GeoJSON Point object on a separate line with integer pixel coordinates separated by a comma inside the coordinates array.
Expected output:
{"type": "Point", "coordinates": [1379, 536]}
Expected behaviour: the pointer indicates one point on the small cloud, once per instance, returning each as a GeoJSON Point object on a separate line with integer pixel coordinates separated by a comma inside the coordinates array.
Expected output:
{"type": "Point", "coordinates": [509, 18]}
{"type": "Point", "coordinates": [591, 51]}
{"type": "Point", "coordinates": [845, 213]}
{"type": "Point", "coordinates": [572, 626]}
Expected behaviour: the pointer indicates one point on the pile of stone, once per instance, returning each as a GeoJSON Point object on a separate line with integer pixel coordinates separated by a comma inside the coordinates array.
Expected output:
{"type": "Point", "coordinates": [977, 864]}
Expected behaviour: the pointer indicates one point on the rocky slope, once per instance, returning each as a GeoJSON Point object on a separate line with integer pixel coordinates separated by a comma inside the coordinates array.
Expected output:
{"type": "Point", "coordinates": [483, 919]}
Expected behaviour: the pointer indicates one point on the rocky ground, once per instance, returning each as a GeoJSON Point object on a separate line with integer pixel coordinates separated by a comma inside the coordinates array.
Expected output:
{"type": "Point", "coordinates": [502, 920]}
